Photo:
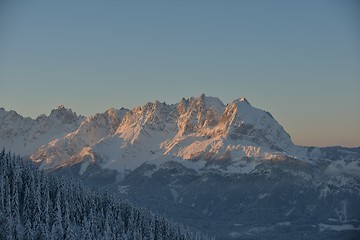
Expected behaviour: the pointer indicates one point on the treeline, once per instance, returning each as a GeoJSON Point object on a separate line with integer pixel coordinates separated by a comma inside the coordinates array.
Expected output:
{"type": "Point", "coordinates": [34, 205]}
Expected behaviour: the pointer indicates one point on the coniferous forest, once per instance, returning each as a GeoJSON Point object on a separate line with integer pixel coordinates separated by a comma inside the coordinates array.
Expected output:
{"type": "Point", "coordinates": [34, 205]}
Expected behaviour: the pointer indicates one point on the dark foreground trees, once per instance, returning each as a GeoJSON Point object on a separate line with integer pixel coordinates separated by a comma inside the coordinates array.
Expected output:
{"type": "Point", "coordinates": [34, 205]}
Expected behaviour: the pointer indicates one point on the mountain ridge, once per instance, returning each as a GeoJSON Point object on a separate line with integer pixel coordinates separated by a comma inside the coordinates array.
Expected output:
{"type": "Point", "coordinates": [190, 129]}
{"type": "Point", "coordinates": [231, 170]}
{"type": "Point", "coordinates": [196, 128]}
{"type": "Point", "coordinates": [25, 134]}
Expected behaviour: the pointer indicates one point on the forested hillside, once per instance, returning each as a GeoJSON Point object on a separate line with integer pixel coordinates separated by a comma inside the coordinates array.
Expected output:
{"type": "Point", "coordinates": [34, 205]}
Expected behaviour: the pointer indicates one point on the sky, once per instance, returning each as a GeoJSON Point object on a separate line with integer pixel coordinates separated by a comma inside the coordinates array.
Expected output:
{"type": "Point", "coordinates": [299, 60]}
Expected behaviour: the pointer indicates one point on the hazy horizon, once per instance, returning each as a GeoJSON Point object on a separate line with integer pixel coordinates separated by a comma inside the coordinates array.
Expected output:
{"type": "Point", "coordinates": [298, 60]}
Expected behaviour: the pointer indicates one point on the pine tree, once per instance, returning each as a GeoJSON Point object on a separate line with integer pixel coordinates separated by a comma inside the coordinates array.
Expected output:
{"type": "Point", "coordinates": [57, 227]}
{"type": "Point", "coordinates": [4, 228]}
{"type": "Point", "coordinates": [43, 233]}
{"type": "Point", "coordinates": [28, 232]}
{"type": "Point", "coordinates": [85, 230]}
{"type": "Point", "coordinates": [27, 211]}
{"type": "Point", "coordinates": [15, 211]}
{"type": "Point", "coordinates": [68, 229]}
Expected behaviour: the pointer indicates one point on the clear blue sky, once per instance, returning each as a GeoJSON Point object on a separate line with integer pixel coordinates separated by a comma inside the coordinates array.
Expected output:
{"type": "Point", "coordinates": [300, 60]}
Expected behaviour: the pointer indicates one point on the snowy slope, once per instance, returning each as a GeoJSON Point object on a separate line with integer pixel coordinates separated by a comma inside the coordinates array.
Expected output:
{"type": "Point", "coordinates": [195, 129]}
{"type": "Point", "coordinates": [75, 145]}
{"type": "Point", "coordinates": [25, 135]}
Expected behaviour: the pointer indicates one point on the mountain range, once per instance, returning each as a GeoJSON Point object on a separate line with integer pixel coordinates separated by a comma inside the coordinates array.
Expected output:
{"type": "Point", "coordinates": [230, 170]}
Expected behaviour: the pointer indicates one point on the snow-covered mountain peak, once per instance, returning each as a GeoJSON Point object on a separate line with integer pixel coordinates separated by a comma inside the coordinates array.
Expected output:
{"type": "Point", "coordinates": [140, 121]}
{"type": "Point", "coordinates": [111, 118]}
{"type": "Point", "coordinates": [11, 124]}
{"type": "Point", "coordinates": [114, 114]}
{"type": "Point", "coordinates": [153, 107]}
{"type": "Point", "coordinates": [25, 135]}
{"type": "Point", "coordinates": [241, 100]}
{"type": "Point", "coordinates": [73, 145]}
{"type": "Point", "coordinates": [198, 114]}
{"type": "Point", "coordinates": [66, 116]}
{"type": "Point", "coordinates": [41, 117]}
{"type": "Point", "coordinates": [205, 102]}
{"type": "Point", "coordinates": [11, 113]}
{"type": "Point", "coordinates": [60, 107]}
{"type": "Point", "coordinates": [241, 121]}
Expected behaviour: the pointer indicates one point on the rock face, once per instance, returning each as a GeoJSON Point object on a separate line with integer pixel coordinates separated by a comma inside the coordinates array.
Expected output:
{"type": "Point", "coordinates": [229, 170]}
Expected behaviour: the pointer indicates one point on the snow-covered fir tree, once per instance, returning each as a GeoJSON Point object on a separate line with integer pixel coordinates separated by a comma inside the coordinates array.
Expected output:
{"type": "Point", "coordinates": [34, 205]}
